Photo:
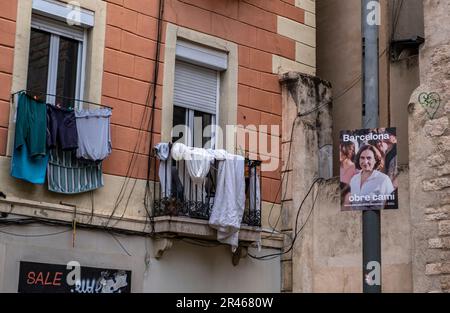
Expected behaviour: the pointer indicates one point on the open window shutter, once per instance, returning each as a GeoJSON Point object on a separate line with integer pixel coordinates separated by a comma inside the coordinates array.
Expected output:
{"type": "Point", "coordinates": [195, 87]}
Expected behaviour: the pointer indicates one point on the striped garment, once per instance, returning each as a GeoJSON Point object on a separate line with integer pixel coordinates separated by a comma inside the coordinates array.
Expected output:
{"type": "Point", "coordinates": [69, 175]}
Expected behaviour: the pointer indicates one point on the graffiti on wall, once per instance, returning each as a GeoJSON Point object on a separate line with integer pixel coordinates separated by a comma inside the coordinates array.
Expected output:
{"type": "Point", "coordinates": [430, 102]}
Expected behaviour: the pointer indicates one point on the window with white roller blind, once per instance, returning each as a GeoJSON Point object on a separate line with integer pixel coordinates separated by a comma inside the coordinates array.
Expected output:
{"type": "Point", "coordinates": [196, 87]}
{"type": "Point", "coordinates": [197, 91]}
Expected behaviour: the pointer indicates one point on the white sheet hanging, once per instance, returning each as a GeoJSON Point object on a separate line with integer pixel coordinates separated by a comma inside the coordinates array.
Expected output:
{"type": "Point", "coordinates": [178, 150]}
{"type": "Point", "coordinates": [218, 154]}
{"type": "Point", "coordinates": [198, 163]}
{"type": "Point", "coordinates": [229, 204]}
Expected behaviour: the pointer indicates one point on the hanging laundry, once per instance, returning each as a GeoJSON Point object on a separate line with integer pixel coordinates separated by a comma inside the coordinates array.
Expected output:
{"type": "Point", "coordinates": [198, 163]}
{"type": "Point", "coordinates": [163, 151]}
{"type": "Point", "coordinates": [193, 167]}
{"type": "Point", "coordinates": [218, 154]}
{"type": "Point", "coordinates": [178, 150]}
{"type": "Point", "coordinates": [228, 209]}
{"type": "Point", "coordinates": [27, 168]}
{"type": "Point", "coordinates": [165, 173]}
{"type": "Point", "coordinates": [69, 175]}
{"type": "Point", "coordinates": [177, 189]}
{"type": "Point", "coordinates": [197, 160]}
{"type": "Point", "coordinates": [94, 134]}
{"type": "Point", "coordinates": [61, 128]}
{"type": "Point", "coordinates": [169, 179]}
{"type": "Point", "coordinates": [31, 125]}
{"type": "Point", "coordinates": [255, 191]}
{"type": "Point", "coordinates": [29, 161]}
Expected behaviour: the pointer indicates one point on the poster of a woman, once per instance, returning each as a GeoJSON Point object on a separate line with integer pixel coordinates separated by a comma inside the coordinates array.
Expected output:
{"type": "Point", "coordinates": [368, 178]}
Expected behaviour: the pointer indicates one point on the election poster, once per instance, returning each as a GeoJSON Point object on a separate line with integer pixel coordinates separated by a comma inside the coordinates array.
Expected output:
{"type": "Point", "coordinates": [368, 169]}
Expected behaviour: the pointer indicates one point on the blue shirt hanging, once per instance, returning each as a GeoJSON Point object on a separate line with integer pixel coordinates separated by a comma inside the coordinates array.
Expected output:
{"type": "Point", "coordinates": [30, 156]}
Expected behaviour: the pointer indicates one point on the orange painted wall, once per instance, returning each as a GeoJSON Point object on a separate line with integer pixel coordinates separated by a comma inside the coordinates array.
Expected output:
{"type": "Point", "coordinates": [130, 59]}
{"type": "Point", "coordinates": [8, 13]}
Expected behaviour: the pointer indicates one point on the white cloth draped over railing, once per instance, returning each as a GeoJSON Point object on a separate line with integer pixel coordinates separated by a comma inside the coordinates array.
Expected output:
{"type": "Point", "coordinates": [229, 202]}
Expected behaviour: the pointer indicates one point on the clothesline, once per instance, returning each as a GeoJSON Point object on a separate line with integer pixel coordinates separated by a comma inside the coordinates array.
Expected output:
{"type": "Point", "coordinates": [67, 98]}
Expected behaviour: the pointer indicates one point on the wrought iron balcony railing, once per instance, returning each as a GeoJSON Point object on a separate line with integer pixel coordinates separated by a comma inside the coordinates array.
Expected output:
{"type": "Point", "coordinates": [184, 198]}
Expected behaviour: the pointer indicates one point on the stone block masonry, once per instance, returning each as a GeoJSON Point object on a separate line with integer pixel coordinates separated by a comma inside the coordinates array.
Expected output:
{"type": "Point", "coordinates": [430, 172]}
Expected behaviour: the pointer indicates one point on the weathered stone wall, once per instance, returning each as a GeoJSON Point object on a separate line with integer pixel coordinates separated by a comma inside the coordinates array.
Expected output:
{"type": "Point", "coordinates": [429, 144]}
{"type": "Point", "coordinates": [437, 30]}
{"type": "Point", "coordinates": [336, 243]}
{"type": "Point", "coordinates": [302, 94]}
{"type": "Point", "coordinates": [430, 180]}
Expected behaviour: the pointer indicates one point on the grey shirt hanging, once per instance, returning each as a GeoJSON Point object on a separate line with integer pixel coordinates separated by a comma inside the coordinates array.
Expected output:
{"type": "Point", "coordinates": [94, 134]}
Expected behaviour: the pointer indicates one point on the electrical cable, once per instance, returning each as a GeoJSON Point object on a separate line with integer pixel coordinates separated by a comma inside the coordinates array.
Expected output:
{"type": "Point", "coordinates": [152, 89]}
{"type": "Point", "coordinates": [297, 231]}
{"type": "Point", "coordinates": [35, 235]}
{"type": "Point", "coordinates": [35, 220]}
{"type": "Point", "coordinates": [27, 221]}
{"type": "Point", "coordinates": [315, 109]}
{"type": "Point", "coordinates": [355, 81]}
{"type": "Point", "coordinates": [352, 84]}
{"type": "Point", "coordinates": [200, 243]}
{"type": "Point", "coordinates": [149, 160]}
{"type": "Point", "coordinates": [282, 180]}
{"type": "Point", "coordinates": [397, 13]}
{"type": "Point", "coordinates": [120, 244]}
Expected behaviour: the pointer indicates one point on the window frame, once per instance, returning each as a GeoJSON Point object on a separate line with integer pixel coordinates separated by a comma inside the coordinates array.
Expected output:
{"type": "Point", "coordinates": [228, 83]}
{"type": "Point", "coordinates": [202, 56]}
{"type": "Point", "coordinates": [95, 45]}
{"type": "Point", "coordinates": [190, 121]}
{"type": "Point", "coordinates": [57, 30]}
{"type": "Point", "coordinates": [62, 11]}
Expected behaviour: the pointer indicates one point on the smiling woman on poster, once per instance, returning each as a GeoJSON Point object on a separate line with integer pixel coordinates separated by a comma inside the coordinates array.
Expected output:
{"type": "Point", "coordinates": [370, 187]}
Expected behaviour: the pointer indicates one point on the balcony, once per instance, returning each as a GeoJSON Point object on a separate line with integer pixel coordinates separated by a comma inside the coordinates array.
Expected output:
{"type": "Point", "coordinates": [195, 201]}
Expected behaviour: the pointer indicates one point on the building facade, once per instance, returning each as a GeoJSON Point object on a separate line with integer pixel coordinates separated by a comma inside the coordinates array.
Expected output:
{"type": "Point", "coordinates": [136, 56]}
{"type": "Point", "coordinates": [248, 76]}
